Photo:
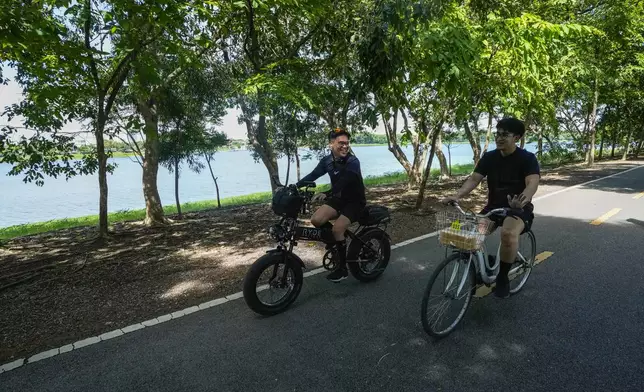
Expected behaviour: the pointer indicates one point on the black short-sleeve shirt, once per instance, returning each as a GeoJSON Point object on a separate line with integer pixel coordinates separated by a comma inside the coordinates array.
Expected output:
{"type": "Point", "coordinates": [506, 175]}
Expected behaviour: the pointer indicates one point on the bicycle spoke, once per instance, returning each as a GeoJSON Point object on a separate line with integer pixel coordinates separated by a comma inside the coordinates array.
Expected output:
{"type": "Point", "coordinates": [441, 311]}
{"type": "Point", "coordinates": [275, 284]}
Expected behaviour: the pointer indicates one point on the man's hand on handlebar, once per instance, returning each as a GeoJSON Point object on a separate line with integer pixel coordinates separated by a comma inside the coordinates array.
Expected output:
{"type": "Point", "coordinates": [450, 200]}
{"type": "Point", "coordinates": [318, 197]}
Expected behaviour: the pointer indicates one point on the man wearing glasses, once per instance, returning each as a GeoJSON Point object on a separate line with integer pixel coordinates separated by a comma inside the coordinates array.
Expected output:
{"type": "Point", "coordinates": [512, 178]}
{"type": "Point", "coordinates": [345, 201]}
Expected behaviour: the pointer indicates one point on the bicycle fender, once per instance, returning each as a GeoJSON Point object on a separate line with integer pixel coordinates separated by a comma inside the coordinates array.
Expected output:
{"type": "Point", "coordinates": [366, 230]}
{"type": "Point", "coordinates": [373, 228]}
{"type": "Point", "coordinates": [291, 256]}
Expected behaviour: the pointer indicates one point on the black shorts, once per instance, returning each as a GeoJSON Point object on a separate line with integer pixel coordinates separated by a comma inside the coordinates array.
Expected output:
{"type": "Point", "coordinates": [351, 210]}
{"type": "Point", "coordinates": [526, 216]}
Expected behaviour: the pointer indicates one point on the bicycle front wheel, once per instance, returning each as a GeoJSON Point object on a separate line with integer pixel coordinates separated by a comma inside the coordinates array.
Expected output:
{"type": "Point", "coordinates": [448, 295]}
{"type": "Point", "coordinates": [522, 267]}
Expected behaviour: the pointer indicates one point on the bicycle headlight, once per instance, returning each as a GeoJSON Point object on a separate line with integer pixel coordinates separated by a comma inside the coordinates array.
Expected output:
{"type": "Point", "coordinates": [276, 232]}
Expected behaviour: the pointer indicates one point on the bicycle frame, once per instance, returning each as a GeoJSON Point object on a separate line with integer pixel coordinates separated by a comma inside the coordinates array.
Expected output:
{"type": "Point", "coordinates": [314, 234]}
{"type": "Point", "coordinates": [488, 273]}
{"type": "Point", "coordinates": [293, 232]}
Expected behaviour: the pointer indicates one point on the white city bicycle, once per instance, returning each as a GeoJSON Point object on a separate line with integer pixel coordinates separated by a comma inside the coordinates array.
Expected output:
{"type": "Point", "coordinates": [467, 267]}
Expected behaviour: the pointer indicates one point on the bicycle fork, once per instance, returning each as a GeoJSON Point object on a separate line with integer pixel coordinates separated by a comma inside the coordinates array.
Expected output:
{"type": "Point", "coordinates": [463, 279]}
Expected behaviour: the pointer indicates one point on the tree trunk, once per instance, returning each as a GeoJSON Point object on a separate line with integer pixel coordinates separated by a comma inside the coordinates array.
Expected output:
{"type": "Point", "coordinates": [590, 156]}
{"type": "Point", "coordinates": [153, 207]}
{"type": "Point", "coordinates": [627, 147]}
{"type": "Point", "coordinates": [427, 172]}
{"type": "Point", "coordinates": [297, 164]}
{"type": "Point", "coordinates": [208, 159]}
{"type": "Point", "coordinates": [176, 187]}
{"type": "Point", "coordinates": [258, 141]}
{"type": "Point", "coordinates": [476, 147]}
{"type": "Point", "coordinates": [297, 160]}
{"type": "Point", "coordinates": [420, 155]}
{"type": "Point", "coordinates": [488, 134]}
{"type": "Point", "coordinates": [601, 144]}
{"type": "Point", "coordinates": [102, 181]}
{"type": "Point", "coordinates": [391, 132]}
{"type": "Point", "coordinates": [614, 142]}
{"type": "Point", "coordinates": [288, 168]}
{"type": "Point", "coordinates": [540, 144]}
{"type": "Point", "coordinates": [444, 170]}
{"type": "Point", "coordinates": [217, 188]}
{"type": "Point", "coordinates": [639, 148]}
{"type": "Point", "coordinates": [449, 157]}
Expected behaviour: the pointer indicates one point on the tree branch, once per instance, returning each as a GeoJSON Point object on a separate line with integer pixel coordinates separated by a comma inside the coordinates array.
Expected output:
{"type": "Point", "coordinates": [252, 35]}
{"type": "Point", "coordinates": [88, 46]}
{"type": "Point", "coordinates": [115, 89]}
{"type": "Point", "coordinates": [304, 39]}
{"type": "Point", "coordinates": [138, 152]}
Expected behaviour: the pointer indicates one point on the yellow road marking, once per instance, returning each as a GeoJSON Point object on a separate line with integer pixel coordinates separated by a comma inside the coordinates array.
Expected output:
{"type": "Point", "coordinates": [484, 290]}
{"type": "Point", "coordinates": [605, 217]}
{"type": "Point", "coordinates": [638, 196]}
{"type": "Point", "coordinates": [541, 257]}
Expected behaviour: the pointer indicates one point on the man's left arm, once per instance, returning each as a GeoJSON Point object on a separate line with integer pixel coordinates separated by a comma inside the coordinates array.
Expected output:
{"type": "Point", "coordinates": [531, 185]}
{"type": "Point", "coordinates": [532, 177]}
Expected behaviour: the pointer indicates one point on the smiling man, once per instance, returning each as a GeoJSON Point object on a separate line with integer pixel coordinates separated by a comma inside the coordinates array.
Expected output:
{"type": "Point", "coordinates": [512, 178]}
{"type": "Point", "coordinates": [345, 201]}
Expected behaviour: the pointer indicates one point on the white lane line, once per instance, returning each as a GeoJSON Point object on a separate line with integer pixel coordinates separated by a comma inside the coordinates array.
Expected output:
{"type": "Point", "coordinates": [585, 183]}
{"type": "Point", "coordinates": [229, 298]}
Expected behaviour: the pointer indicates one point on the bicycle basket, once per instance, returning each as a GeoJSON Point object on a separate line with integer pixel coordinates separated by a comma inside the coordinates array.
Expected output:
{"type": "Point", "coordinates": [461, 231]}
{"type": "Point", "coordinates": [287, 202]}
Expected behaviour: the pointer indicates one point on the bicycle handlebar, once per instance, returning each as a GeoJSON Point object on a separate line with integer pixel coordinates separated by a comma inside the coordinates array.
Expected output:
{"type": "Point", "coordinates": [496, 211]}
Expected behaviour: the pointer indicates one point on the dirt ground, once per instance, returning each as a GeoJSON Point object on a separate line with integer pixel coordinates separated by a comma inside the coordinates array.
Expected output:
{"type": "Point", "coordinates": [64, 286]}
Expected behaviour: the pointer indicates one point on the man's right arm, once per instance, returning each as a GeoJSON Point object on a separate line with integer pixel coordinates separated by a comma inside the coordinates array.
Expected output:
{"type": "Point", "coordinates": [318, 172]}
{"type": "Point", "coordinates": [479, 173]}
{"type": "Point", "coordinates": [472, 182]}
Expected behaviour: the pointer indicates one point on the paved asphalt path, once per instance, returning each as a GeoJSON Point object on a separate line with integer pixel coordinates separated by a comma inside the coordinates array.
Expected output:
{"type": "Point", "coordinates": [576, 326]}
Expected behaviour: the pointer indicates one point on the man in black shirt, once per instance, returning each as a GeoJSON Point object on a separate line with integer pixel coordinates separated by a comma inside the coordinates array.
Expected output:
{"type": "Point", "coordinates": [345, 201]}
{"type": "Point", "coordinates": [513, 178]}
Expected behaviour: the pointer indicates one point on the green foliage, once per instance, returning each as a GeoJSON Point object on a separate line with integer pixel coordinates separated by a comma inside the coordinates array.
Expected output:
{"type": "Point", "coordinates": [39, 156]}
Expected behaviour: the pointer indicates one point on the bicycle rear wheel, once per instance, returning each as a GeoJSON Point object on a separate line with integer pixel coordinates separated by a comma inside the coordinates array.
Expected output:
{"type": "Point", "coordinates": [522, 267]}
{"type": "Point", "coordinates": [454, 280]}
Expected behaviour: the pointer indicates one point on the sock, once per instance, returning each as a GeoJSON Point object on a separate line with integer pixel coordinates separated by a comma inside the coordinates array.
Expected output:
{"type": "Point", "coordinates": [341, 246]}
{"type": "Point", "coordinates": [327, 233]}
{"type": "Point", "coordinates": [504, 269]}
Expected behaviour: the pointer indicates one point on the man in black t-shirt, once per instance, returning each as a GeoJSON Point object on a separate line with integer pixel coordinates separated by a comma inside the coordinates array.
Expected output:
{"type": "Point", "coordinates": [512, 178]}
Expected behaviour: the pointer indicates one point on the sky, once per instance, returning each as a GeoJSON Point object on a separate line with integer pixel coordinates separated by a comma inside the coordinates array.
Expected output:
{"type": "Point", "coordinates": [12, 93]}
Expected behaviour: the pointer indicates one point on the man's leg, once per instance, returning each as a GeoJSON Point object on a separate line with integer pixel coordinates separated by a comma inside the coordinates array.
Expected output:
{"type": "Point", "coordinates": [321, 219]}
{"type": "Point", "coordinates": [339, 227]}
{"type": "Point", "coordinates": [323, 215]}
{"type": "Point", "coordinates": [510, 232]}
{"type": "Point", "coordinates": [349, 212]}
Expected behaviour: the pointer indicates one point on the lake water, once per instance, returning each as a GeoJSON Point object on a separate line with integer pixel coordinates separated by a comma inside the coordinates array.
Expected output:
{"type": "Point", "coordinates": [238, 174]}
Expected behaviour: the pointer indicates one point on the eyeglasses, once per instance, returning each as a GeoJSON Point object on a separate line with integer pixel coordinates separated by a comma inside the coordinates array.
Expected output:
{"type": "Point", "coordinates": [336, 131]}
{"type": "Point", "coordinates": [502, 135]}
